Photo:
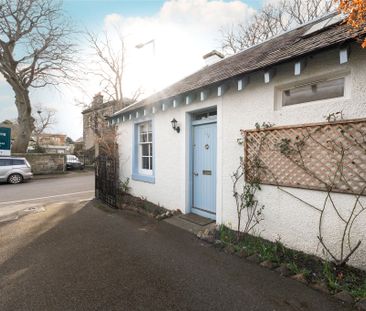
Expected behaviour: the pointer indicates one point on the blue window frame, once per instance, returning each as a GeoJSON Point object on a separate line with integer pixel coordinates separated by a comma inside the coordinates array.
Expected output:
{"type": "Point", "coordinates": [143, 152]}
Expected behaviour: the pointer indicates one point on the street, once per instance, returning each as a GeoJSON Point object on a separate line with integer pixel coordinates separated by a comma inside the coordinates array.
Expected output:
{"type": "Point", "coordinates": [67, 188]}
{"type": "Point", "coordinates": [38, 189]}
{"type": "Point", "coordinates": [81, 256]}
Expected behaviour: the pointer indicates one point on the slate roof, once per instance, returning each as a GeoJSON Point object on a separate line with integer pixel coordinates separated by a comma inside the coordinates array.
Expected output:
{"type": "Point", "coordinates": [285, 47]}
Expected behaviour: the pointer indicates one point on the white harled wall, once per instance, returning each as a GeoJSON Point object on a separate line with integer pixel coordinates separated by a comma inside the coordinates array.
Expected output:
{"type": "Point", "coordinates": [285, 218]}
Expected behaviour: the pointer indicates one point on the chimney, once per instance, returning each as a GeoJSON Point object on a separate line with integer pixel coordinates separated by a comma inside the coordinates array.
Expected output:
{"type": "Point", "coordinates": [213, 57]}
{"type": "Point", "coordinates": [97, 99]}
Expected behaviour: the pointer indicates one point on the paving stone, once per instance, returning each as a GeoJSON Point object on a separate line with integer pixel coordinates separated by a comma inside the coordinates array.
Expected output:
{"type": "Point", "coordinates": [211, 239]}
{"type": "Point", "coordinates": [254, 258]}
{"type": "Point", "coordinates": [242, 253]}
{"type": "Point", "coordinates": [361, 305]}
{"type": "Point", "coordinates": [267, 264]}
{"type": "Point", "coordinates": [321, 286]}
{"type": "Point", "coordinates": [284, 270]}
{"type": "Point", "coordinates": [219, 244]}
{"type": "Point", "coordinates": [206, 235]}
{"type": "Point", "coordinates": [344, 296]}
{"type": "Point", "coordinates": [300, 278]}
{"type": "Point", "coordinates": [230, 249]}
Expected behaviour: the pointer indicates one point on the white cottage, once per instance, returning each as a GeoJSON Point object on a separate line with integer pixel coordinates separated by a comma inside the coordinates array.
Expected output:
{"type": "Point", "coordinates": [179, 146]}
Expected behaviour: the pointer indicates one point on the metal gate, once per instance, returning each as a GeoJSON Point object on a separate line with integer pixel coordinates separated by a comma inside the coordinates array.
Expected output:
{"type": "Point", "coordinates": [106, 180]}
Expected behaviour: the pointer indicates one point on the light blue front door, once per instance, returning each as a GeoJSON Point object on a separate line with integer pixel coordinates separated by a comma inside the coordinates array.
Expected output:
{"type": "Point", "coordinates": [204, 170]}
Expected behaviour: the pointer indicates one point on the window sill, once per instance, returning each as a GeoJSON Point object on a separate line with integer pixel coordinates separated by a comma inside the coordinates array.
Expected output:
{"type": "Point", "coordinates": [144, 178]}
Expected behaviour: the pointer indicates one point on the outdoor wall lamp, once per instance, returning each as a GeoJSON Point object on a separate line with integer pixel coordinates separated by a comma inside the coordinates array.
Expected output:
{"type": "Point", "coordinates": [175, 126]}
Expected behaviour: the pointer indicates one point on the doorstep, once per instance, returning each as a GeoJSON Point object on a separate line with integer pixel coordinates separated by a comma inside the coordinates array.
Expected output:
{"type": "Point", "coordinates": [192, 226]}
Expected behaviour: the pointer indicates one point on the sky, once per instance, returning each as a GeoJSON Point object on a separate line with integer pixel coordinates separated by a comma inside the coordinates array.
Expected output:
{"type": "Point", "coordinates": [182, 30]}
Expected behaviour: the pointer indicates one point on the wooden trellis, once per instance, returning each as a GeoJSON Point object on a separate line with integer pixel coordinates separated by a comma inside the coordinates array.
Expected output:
{"type": "Point", "coordinates": [311, 156]}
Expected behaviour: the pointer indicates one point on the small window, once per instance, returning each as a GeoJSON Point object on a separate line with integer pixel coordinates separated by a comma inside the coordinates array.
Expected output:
{"type": "Point", "coordinates": [18, 162]}
{"type": "Point", "coordinates": [5, 162]}
{"type": "Point", "coordinates": [205, 115]}
{"type": "Point", "coordinates": [313, 91]}
{"type": "Point", "coordinates": [145, 149]}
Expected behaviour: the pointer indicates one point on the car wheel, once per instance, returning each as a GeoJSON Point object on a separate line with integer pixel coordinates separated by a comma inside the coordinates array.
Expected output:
{"type": "Point", "coordinates": [15, 179]}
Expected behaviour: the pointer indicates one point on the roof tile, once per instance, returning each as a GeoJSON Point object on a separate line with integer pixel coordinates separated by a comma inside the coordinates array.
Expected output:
{"type": "Point", "coordinates": [279, 49]}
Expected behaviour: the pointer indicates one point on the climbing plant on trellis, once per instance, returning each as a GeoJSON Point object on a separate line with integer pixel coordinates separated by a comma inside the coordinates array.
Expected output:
{"type": "Point", "coordinates": [306, 156]}
{"type": "Point", "coordinates": [329, 156]}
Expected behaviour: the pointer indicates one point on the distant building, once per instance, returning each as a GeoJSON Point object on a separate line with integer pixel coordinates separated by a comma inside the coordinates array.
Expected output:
{"type": "Point", "coordinates": [78, 146]}
{"type": "Point", "coordinates": [52, 139]}
{"type": "Point", "coordinates": [95, 121]}
{"type": "Point", "coordinates": [51, 143]}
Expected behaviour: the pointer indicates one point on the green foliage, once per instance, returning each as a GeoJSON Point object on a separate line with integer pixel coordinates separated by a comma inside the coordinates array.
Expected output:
{"type": "Point", "coordinates": [338, 279]}
{"type": "Point", "coordinates": [285, 146]}
{"type": "Point", "coordinates": [264, 125]}
{"type": "Point", "coordinates": [359, 291]}
{"type": "Point", "coordinates": [124, 185]}
{"type": "Point", "coordinates": [39, 149]}
{"type": "Point", "coordinates": [329, 276]}
{"type": "Point", "coordinates": [6, 122]}
{"type": "Point", "coordinates": [295, 269]}
{"type": "Point", "coordinates": [226, 235]}
{"type": "Point", "coordinates": [334, 116]}
{"type": "Point", "coordinates": [314, 269]}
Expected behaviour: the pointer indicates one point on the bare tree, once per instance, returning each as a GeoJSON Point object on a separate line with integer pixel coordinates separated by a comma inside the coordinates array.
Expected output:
{"type": "Point", "coordinates": [272, 20]}
{"type": "Point", "coordinates": [43, 119]}
{"type": "Point", "coordinates": [111, 66]}
{"type": "Point", "coordinates": [35, 51]}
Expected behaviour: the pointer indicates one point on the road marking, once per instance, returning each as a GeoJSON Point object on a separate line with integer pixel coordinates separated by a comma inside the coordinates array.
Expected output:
{"type": "Point", "coordinates": [43, 198]}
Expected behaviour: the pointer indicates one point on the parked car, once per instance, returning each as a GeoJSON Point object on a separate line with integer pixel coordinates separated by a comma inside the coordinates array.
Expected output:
{"type": "Point", "coordinates": [14, 170]}
{"type": "Point", "coordinates": [73, 162]}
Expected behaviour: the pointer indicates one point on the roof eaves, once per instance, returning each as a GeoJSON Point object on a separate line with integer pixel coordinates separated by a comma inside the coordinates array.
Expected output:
{"type": "Point", "coordinates": [151, 100]}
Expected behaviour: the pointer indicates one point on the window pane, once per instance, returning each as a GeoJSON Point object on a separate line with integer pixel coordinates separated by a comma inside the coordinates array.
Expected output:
{"type": "Point", "coordinates": [145, 146]}
{"type": "Point", "coordinates": [18, 162]}
{"type": "Point", "coordinates": [315, 91]}
{"type": "Point", "coordinates": [143, 137]}
{"type": "Point", "coordinates": [145, 163]}
{"type": "Point", "coordinates": [143, 127]}
{"type": "Point", "coordinates": [145, 150]}
{"type": "Point", "coordinates": [151, 163]}
{"type": "Point", "coordinates": [5, 162]}
{"type": "Point", "coordinates": [205, 115]}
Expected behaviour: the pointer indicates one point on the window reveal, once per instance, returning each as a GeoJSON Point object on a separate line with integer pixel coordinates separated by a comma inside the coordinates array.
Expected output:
{"type": "Point", "coordinates": [145, 148]}
{"type": "Point", "coordinates": [313, 91]}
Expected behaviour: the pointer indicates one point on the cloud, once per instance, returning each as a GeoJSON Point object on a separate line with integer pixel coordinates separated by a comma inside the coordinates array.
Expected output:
{"type": "Point", "coordinates": [183, 31]}
{"type": "Point", "coordinates": [203, 13]}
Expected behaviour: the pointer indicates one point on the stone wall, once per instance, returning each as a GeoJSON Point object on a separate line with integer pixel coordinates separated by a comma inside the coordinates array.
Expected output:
{"type": "Point", "coordinates": [44, 163]}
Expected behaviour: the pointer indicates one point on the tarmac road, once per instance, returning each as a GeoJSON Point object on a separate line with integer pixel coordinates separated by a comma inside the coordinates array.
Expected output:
{"type": "Point", "coordinates": [66, 188]}
{"type": "Point", "coordinates": [76, 256]}
{"type": "Point", "coordinates": [48, 189]}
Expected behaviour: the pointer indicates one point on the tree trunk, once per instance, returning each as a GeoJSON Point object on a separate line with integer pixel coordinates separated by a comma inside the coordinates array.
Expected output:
{"type": "Point", "coordinates": [25, 120]}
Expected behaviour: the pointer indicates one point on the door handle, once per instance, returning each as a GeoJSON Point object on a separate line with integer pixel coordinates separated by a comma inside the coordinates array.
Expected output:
{"type": "Point", "coordinates": [195, 174]}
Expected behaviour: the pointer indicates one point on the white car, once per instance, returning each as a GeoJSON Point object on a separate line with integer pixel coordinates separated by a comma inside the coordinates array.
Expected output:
{"type": "Point", "coordinates": [14, 170]}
